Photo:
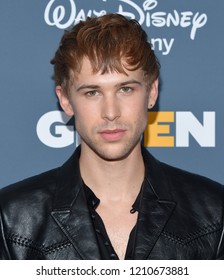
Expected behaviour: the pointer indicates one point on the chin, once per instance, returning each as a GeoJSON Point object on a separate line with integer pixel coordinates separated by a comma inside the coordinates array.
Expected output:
{"type": "Point", "coordinates": [114, 157]}
{"type": "Point", "coordinates": [115, 153]}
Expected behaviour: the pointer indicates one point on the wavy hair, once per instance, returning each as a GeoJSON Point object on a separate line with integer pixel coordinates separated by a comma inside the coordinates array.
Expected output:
{"type": "Point", "coordinates": [111, 42]}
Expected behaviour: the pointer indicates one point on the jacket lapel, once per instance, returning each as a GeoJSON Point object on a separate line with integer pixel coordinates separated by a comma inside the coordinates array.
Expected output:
{"type": "Point", "coordinates": [72, 215]}
{"type": "Point", "coordinates": [77, 226]}
{"type": "Point", "coordinates": [153, 217]}
{"type": "Point", "coordinates": [155, 209]}
{"type": "Point", "coordinates": [71, 212]}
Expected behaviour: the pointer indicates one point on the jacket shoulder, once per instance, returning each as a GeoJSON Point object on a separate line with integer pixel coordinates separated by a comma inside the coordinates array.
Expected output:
{"type": "Point", "coordinates": [168, 179]}
{"type": "Point", "coordinates": [190, 181]}
{"type": "Point", "coordinates": [29, 191]}
{"type": "Point", "coordinates": [196, 195]}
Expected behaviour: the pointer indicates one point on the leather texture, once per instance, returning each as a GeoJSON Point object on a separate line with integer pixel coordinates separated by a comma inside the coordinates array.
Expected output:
{"type": "Point", "coordinates": [46, 216]}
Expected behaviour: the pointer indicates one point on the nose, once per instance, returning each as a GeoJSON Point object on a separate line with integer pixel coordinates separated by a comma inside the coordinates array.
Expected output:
{"type": "Point", "coordinates": [111, 108]}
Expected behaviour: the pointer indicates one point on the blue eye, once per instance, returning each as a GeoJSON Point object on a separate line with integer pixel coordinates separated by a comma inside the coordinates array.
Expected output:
{"type": "Point", "coordinates": [126, 89]}
{"type": "Point", "coordinates": [92, 93]}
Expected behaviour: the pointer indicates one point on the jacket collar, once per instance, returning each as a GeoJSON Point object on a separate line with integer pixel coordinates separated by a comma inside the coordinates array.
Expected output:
{"type": "Point", "coordinates": [72, 215]}
{"type": "Point", "coordinates": [156, 207]}
{"type": "Point", "coordinates": [71, 212]}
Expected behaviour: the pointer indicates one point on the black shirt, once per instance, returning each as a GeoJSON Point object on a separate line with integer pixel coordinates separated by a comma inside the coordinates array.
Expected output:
{"type": "Point", "coordinates": [105, 246]}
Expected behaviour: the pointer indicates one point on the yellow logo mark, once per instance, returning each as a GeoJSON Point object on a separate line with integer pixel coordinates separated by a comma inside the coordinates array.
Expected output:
{"type": "Point", "coordinates": [158, 130]}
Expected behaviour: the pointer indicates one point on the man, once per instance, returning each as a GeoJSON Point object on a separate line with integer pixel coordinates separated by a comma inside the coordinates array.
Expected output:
{"type": "Point", "coordinates": [111, 199]}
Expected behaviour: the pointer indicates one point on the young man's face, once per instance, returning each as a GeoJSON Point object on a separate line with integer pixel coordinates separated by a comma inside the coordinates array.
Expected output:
{"type": "Point", "coordinates": [110, 110]}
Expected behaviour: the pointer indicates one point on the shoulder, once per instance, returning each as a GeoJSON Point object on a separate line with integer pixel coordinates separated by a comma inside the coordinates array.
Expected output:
{"type": "Point", "coordinates": [30, 191]}
{"type": "Point", "coordinates": [181, 185]}
{"type": "Point", "coordinates": [187, 181]}
{"type": "Point", "coordinates": [197, 197]}
{"type": "Point", "coordinates": [41, 190]}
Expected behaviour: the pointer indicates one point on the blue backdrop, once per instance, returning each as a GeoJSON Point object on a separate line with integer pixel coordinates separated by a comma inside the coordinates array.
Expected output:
{"type": "Point", "coordinates": [187, 36]}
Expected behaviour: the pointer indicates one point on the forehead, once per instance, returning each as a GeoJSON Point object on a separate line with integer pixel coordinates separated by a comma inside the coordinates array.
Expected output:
{"type": "Point", "coordinates": [86, 74]}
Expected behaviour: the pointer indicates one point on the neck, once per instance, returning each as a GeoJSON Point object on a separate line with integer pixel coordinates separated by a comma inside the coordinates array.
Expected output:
{"type": "Point", "coordinates": [113, 180]}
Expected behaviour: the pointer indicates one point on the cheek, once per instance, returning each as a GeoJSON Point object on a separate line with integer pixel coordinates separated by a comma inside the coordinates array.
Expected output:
{"type": "Point", "coordinates": [84, 119]}
{"type": "Point", "coordinates": [139, 108]}
{"type": "Point", "coordinates": [141, 114]}
{"type": "Point", "coordinates": [142, 120]}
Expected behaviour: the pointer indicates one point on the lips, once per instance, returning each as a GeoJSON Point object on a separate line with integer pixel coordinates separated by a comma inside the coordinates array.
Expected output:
{"type": "Point", "coordinates": [112, 135]}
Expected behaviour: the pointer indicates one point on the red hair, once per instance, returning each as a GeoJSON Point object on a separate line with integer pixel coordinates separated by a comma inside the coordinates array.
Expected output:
{"type": "Point", "coordinates": [107, 41]}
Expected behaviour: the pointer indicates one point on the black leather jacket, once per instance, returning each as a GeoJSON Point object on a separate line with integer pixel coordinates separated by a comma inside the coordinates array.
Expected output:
{"type": "Point", "coordinates": [46, 216]}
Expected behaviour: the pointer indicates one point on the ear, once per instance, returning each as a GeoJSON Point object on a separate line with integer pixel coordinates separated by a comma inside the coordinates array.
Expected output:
{"type": "Point", "coordinates": [64, 101]}
{"type": "Point", "coordinates": [153, 94]}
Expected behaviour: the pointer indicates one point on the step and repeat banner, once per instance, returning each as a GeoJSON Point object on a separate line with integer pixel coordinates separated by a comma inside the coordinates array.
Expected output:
{"type": "Point", "coordinates": [187, 128]}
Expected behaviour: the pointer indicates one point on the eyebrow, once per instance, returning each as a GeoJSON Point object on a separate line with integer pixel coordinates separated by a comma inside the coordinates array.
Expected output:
{"type": "Point", "coordinates": [129, 82]}
{"type": "Point", "coordinates": [92, 86]}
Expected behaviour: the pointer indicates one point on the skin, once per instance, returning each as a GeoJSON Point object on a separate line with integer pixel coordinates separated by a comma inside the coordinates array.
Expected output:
{"type": "Point", "coordinates": [111, 113]}
{"type": "Point", "coordinates": [110, 110]}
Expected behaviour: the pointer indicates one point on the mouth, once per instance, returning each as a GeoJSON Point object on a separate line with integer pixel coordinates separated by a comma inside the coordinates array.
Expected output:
{"type": "Point", "coordinates": [112, 135]}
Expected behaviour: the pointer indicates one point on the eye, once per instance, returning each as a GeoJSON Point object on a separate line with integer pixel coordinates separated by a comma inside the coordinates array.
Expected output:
{"type": "Point", "coordinates": [126, 89]}
{"type": "Point", "coordinates": [92, 93]}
